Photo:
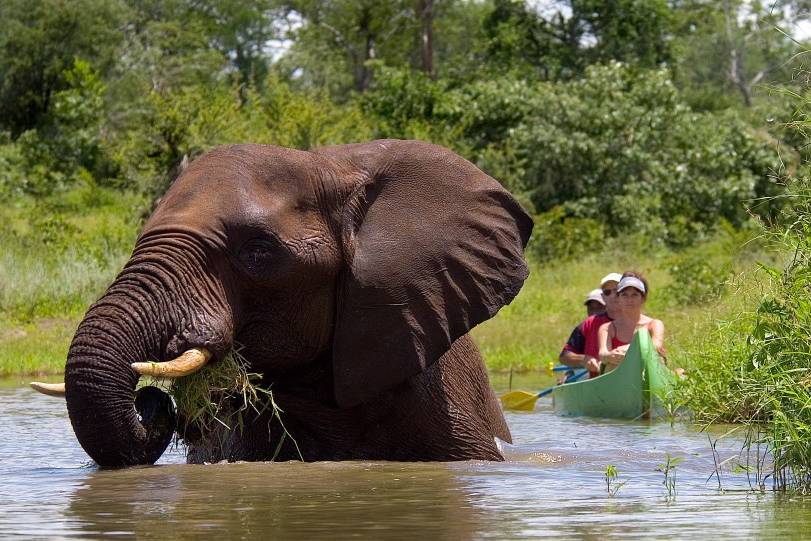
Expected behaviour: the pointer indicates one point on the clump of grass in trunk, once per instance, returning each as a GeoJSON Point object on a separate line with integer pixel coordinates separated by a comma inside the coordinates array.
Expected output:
{"type": "Point", "coordinates": [216, 399]}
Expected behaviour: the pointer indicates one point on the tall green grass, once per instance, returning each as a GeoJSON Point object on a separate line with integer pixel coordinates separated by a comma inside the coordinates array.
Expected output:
{"type": "Point", "coordinates": [58, 256]}
{"type": "Point", "coordinates": [757, 368]}
{"type": "Point", "coordinates": [531, 331]}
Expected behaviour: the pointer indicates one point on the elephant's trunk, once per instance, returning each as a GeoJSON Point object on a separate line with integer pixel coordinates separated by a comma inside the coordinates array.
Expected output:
{"type": "Point", "coordinates": [161, 305]}
{"type": "Point", "coordinates": [115, 425]}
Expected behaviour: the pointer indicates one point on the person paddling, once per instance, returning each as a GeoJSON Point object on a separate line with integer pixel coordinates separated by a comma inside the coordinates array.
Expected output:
{"type": "Point", "coordinates": [615, 336]}
{"type": "Point", "coordinates": [582, 348]}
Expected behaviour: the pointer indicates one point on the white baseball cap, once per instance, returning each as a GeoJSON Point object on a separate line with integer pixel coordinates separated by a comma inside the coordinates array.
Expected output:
{"type": "Point", "coordinates": [611, 277]}
{"type": "Point", "coordinates": [595, 295]}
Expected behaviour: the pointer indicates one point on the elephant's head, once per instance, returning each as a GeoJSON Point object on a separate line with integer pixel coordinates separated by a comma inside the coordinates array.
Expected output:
{"type": "Point", "coordinates": [368, 259]}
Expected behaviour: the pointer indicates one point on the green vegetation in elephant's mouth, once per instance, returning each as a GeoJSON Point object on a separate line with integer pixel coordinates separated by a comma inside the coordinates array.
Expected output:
{"type": "Point", "coordinates": [218, 399]}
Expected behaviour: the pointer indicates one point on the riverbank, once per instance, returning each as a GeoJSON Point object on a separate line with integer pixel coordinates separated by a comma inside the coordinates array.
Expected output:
{"type": "Point", "coordinates": [72, 254]}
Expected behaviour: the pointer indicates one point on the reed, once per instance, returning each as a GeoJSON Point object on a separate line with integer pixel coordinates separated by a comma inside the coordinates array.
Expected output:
{"type": "Point", "coordinates": [755, 368]}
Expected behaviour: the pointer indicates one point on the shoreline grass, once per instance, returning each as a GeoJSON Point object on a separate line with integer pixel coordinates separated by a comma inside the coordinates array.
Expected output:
{"type": "Point", "coordinates": [530, 332]}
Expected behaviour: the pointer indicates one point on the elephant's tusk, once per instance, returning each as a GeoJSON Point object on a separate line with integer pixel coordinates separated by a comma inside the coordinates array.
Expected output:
{"type": "Point", "coordinates": [51, 389]}
{"type": "Point", "coordinates": [188, 363]}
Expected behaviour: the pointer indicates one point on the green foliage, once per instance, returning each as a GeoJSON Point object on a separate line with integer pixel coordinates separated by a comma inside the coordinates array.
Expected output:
{"type": "Point", "coordinates": [619, 147]}
{"type": "Point", "coordinates": [758, 371]}
{"type": "Point", "coordinates": [729, 52]}
{"type": "Point", "coordinates": [612, 483]}
{"type": "Point", "coordinates": [697, 280]}
{"type": "Point", "coordinates": [560, 237]}
{"type": "Point", "coordinates": [192, 119]}
{"type": "Point", "coordinates": [338, 38]}
{"type": "Point", "coordinates": [562, 40]}
{"type": "Point", "coordinates": [39, 42]}
{"type": "Point", "coordinates": [67, 144]}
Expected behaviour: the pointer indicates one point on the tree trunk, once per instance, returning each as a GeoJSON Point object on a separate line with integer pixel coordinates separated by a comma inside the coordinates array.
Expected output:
{"type": "Point", "coordinates": [425, 12]}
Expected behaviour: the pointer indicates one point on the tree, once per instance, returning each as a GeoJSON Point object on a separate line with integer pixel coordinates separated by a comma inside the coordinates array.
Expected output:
{"type": "Point", "coordinates": [633, 31]}
{"type": "Point", "coordinates": [337, 39]}
{"type": "Point", "coordinates": [570, 35]}
{"type": "Point", "coordinates": [735, 46]}
{"type": "Point", "coordinates": [39, 40]}
{"type": "Point", "coordinates": [755, 46]}
{"type": "Point", "coordinates": [425, 14]}
{"type": "Point", "coordinates": [240, 30]}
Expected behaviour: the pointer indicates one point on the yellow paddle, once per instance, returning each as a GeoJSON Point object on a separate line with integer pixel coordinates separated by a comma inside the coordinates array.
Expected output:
{"type": "Point", "coordinates": [525, 401]}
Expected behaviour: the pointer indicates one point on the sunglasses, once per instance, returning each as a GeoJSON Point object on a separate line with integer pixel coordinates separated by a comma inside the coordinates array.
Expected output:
{"type": "Point", "coordinates": [608, 292]}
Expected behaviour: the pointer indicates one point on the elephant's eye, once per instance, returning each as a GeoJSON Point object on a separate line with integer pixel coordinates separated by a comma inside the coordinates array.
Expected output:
{"type": "Point", "coordinates": [256, 254]}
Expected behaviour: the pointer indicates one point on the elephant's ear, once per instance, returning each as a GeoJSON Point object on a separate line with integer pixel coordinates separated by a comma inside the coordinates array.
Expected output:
{"type": "Point", "coordinates": [434, 246]}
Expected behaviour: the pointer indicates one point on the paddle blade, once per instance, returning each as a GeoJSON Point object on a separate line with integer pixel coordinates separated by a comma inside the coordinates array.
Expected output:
{"type": "Point", "coordinates": [519, 400]}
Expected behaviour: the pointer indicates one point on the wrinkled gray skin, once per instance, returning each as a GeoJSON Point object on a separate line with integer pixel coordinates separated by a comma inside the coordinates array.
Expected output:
{"type": "Point", "coordinates": [350, 276]}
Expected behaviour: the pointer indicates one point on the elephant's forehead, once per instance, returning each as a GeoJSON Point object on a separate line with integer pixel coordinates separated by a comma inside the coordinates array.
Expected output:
{"type": "Point", "coordinates": [239, 187]}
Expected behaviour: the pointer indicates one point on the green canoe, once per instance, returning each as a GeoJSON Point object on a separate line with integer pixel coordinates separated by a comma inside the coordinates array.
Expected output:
{"type": "Point", "coordinates": [630, 391]}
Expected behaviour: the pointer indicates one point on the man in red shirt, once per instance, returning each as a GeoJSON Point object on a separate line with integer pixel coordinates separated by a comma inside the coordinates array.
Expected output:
{"type": "Point", "coordinates": [582, 349]}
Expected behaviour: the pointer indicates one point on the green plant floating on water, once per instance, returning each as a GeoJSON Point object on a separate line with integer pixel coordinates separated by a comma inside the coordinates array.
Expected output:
{"type": "Point", "coordinates": [215, 400]}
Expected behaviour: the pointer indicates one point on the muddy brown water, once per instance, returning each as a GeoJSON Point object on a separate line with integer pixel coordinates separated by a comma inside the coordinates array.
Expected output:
{"type": "Point", "coordinates": [551, 485]}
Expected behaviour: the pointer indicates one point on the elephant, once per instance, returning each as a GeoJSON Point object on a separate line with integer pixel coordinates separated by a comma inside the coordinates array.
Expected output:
{"type": "Point", "coordinates": [349, 275]}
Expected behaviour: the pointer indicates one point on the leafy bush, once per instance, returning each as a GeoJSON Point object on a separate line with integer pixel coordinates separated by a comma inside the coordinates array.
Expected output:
{"type": "Point", "coordinates": [696, 280]}
{"type": "Point", "coordinates": [68, 140]}
{"type": "Point", "coordinates": [561, 237]}
{"type": "Point", "coordinates": [619, 146]}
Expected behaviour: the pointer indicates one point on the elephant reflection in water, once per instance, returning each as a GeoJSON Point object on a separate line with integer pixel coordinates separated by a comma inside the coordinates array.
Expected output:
{"type": "Point", "coordinates": [283, 501]}
{"type": "Point", "coordinates": [349, 275]}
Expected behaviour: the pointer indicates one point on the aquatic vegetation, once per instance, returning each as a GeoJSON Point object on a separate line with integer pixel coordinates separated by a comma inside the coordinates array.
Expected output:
{"type": "Point", "coordinates": [612, 483]}
{"type": "Point", "coordinates": [668, 469]}
{"type": "Point", "coordinates": [756, 368]}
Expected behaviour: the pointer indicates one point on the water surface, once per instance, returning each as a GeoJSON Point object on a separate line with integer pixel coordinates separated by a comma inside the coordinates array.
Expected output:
{"type": "Point", "coordinates": [552, 485]}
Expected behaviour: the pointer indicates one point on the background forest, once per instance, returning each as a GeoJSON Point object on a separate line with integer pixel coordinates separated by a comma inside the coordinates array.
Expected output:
{"type": "Point", "coordinates": [650, 133]}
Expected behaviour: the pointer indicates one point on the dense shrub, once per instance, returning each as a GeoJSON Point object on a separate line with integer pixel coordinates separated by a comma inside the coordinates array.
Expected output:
{"type": "Point", "coordinates": [562, 237]}
{"type": "Point", "coordinates": [619, 147]}
{"type": "Point", "coordinates": [696, 280]}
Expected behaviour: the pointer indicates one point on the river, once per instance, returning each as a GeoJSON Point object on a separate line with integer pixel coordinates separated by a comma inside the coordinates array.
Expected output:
{"type": "Point", "coordinates": [551, 485]}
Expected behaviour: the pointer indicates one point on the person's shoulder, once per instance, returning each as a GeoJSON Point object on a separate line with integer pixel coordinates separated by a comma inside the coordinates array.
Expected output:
{"type": "Point", "coordinates": [653, 323]}
{"type": "Point", "coordinates": [595, 321]}
{"type": "Point", "coordinates": [599, 318]}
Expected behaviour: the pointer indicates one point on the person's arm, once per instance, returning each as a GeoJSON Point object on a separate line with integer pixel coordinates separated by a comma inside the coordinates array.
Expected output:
{"type": "Point", "coordinates": [611, 357]}
{"type": "Point", "coordinates": [657, 334]}
{"type": "Point", "coordinates": [572, 354]}
{"type": "Point", "coordinates": [570, 358]}
{"type": "Point", "coordinates": [579, 360]}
